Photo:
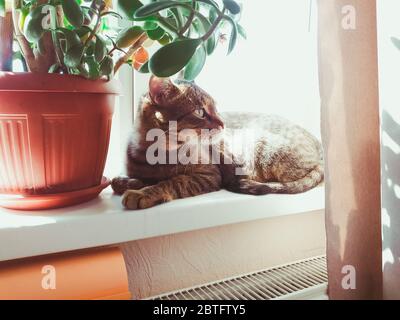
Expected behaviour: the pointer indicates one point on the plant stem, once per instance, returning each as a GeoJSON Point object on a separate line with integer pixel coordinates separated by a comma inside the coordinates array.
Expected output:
{"type": "Point", "coordinates": [214, 26]}
{"type": "Point", "coordinates": [130, 52]}
{"type": "Point", "coordinates": [189, 20]}
{"type": "Point", "coordinates": [56, 44]}
{"type": "Point", "coordinates": [178, 16]}
{"type": "Point", "coordinates": [94, 30]}
{"type": "Point", "coordinates": [169, 27]}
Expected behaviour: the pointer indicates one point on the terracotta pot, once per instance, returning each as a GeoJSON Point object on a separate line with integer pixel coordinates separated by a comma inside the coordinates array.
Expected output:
{"type": "Point", "coordinates": [54, 136]}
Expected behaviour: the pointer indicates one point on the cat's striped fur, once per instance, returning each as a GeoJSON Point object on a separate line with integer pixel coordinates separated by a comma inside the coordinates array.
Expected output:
{"type": "Point", "coordinates": [286, 158]}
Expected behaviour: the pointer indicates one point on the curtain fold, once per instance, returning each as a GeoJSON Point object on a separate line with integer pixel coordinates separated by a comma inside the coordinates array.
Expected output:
{"type": "Point", "coordinates": [347, 44]}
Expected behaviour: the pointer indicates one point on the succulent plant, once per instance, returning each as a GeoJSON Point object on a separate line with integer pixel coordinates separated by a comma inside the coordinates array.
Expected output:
{"type": "Point", "coordinates": [76, 37]}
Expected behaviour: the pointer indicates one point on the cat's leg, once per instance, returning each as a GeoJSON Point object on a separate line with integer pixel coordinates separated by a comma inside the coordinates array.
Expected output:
{"type": "Point", "coordinates": [123, 183]}
{"type": "Point", "coordinates": [178, 187]}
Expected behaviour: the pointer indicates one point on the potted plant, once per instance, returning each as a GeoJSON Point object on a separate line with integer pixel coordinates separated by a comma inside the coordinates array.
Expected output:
{"type": "Point", "coordinates": [55, 119]}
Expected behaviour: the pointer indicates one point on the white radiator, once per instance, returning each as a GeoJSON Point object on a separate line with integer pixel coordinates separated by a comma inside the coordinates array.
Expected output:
{"type": "Point", "coordinates": [305, 279]}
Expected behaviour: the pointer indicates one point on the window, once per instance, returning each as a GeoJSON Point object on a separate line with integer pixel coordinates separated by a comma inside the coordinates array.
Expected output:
{"type": "Point", "coordinates": [274, 71]}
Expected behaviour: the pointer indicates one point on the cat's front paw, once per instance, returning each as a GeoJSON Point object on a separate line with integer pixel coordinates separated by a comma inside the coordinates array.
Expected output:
{"type": "Point", "coordinates": [121, 184]}
{"type": "Point", "coordinates": [141, 199]}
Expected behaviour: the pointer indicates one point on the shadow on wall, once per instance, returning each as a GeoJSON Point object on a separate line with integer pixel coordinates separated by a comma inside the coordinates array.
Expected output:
{"type": "Point", "coordinates": [391, 204]}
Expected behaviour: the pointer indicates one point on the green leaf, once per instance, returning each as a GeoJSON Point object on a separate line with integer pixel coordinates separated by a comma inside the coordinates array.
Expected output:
{"type": "Point", "coordinates": [166, 38]}
{"type": "Point", "coordinates": [149, 25]}
{"type": "Point", "coordinates": [156, 34]}
{"type": "Point", "coordinates": [53, 68]}
{"type": "Point", "coordinates": [93, 69]}
{"type": "Point", "coordinates": [241, 31]}
{"type": "Point", "coordinates": [173, 57]}
{"type": "Point", "coordinates": [195, 64]}
{"type": "Point", "coordinates": [232, 6]}
{"type": "Point", "coordinates": [127, 8]}
{"type": "Point", "coordinates": [100, 49]}
{"type": "Point", "coordinates": [80, 70]}
{"type": "Point", "coordinates": [234, 34]}
{"type": "Point", "coordinates": [33, 27]}
{"type": "Point", "coordinates": [213, 15]}
{"type": "Point", "coordinates": [90, 47]}
{"type": "Point", "coordinates": [178, 16]}
{"type": "Point", "coordinates": [71, 38]}
{"type": "Point", "coordinates": [2, 8]}
{"type": "Point", "coordinates": [73, 56]}
{"type": "Point", "coordinates": [128, 36]}
{"type": "Point", "coordinates": [396, 42]}
{"type": "Point", "coordinates": [155, 7]}
{"type": "Point", "coordinates": [107, 66]}
{"type": "Point", "coordinates": [144, 68]}
{"type": "Point", "coordinates": [73, 12]}
{"type": "Point", "coordinates": [23, 12]}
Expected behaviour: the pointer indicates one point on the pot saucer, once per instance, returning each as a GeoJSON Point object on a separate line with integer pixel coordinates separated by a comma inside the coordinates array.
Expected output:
{"type": "Point", "coordinates": [52, 201]}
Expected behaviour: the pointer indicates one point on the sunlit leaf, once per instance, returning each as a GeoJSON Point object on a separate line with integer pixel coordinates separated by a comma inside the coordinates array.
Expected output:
{"type": "Point", "coordinates": [129, 36]}
{"type": "Point", "coordinates": [173, 57]}
{"type": "Point", "coordinates": [234, 34]}
{"type": "Point", "coordinates": [195, 64]}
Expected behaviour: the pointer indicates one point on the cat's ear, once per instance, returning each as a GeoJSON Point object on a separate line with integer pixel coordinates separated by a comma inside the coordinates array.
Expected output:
{"type": "Point", "coordinates": [162, 91]}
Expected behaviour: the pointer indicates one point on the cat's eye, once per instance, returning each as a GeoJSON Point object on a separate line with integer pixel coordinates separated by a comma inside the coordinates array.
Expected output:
{"type": "Point", "coordinates": [199, 113]}
{"type": "Point", "coordinates": [159, 116]}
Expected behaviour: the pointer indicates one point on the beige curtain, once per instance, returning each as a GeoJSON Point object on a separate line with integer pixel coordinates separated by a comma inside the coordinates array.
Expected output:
{"type": "Point", "coordinates": [350, 128]}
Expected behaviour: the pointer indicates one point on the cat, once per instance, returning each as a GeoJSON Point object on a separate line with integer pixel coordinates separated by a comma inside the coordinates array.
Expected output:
{"type": "Point", "coordinates": [285, 158]}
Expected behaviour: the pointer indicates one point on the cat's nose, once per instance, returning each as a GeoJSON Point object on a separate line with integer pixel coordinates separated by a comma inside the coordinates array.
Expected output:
{"type": "Point", "coordinates": [220, 124]}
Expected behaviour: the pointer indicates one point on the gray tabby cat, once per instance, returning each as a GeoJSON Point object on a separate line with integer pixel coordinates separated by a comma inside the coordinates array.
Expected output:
{"type": "Point", "coordinates": [281, 157]}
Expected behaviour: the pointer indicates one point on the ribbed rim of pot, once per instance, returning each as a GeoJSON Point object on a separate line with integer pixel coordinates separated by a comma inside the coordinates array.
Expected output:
{"type": "Point", "coordinates": [50, 82]}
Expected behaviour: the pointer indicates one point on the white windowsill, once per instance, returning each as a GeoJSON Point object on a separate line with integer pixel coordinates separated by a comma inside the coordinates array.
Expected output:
{"type": "Point", "coordinates": [103, 221]}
